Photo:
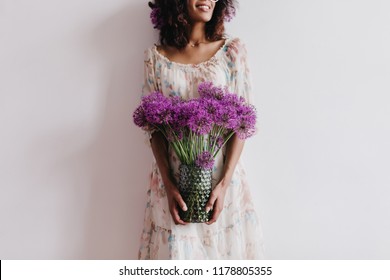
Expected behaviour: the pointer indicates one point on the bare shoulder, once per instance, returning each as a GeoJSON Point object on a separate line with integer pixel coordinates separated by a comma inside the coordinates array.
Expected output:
{"type": "Point", "coordinates": [220, 43]}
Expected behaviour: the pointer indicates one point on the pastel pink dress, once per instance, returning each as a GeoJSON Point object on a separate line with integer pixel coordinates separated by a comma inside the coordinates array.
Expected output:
{"type": "Point", "coordinates": [237, 234]}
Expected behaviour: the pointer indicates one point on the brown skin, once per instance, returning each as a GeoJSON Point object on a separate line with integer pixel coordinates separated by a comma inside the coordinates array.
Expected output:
{"type": "Point", "coordinates": [160, 151]}
{"type": "Point", "coordinates": [196, 34]}
{"type": "Point", "coordinates": [194, 55]}
{"type": "Point", "coordinates": [191, 55]}
{"type": "Point", "coordinates": [234, 149]}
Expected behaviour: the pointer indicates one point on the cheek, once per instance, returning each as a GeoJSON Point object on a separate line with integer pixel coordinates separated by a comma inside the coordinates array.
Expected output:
{"type": "Point", "coordinates": [191, 13]}
{"type": "Point", "coordinates": [212, 9]}
{"type": "Point", "coordinates": [190, 4]}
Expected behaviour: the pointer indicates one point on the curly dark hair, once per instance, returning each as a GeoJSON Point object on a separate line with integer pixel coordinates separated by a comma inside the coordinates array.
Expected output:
{"type": "Point", "coordinates": [174, 16]}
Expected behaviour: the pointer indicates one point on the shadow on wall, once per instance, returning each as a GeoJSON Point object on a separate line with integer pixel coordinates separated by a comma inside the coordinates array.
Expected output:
{"type": "Point", "coordinates": [119, 161]}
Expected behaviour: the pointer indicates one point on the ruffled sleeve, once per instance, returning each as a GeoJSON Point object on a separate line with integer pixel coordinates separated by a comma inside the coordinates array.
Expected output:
{"type": "Point", "coordinates": [241, 79]}
{"type": "Point", "coordinates": [149, 84]}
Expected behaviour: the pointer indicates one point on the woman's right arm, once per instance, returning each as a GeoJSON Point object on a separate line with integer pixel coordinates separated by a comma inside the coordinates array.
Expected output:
{"type": "Point", "coordinates": [159, 145]}
{"type": "Point", "coordinates": [160, 151]}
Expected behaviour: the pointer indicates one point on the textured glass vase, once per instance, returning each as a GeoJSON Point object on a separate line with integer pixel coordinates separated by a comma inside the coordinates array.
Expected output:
{"type": "Point", "coordinates": [195, 187]}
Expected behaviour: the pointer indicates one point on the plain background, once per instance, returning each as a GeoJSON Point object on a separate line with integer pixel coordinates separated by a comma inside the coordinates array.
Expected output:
{"type": "Point", "coordinates": [74, 168]}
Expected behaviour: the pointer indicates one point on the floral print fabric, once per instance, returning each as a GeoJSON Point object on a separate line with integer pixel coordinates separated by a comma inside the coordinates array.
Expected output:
{"type": "Point", "coordinates": [237, 233]}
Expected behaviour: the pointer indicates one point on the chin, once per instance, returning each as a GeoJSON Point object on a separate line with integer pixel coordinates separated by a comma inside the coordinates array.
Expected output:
{"type": "Point", "coordinates": [201, 18]}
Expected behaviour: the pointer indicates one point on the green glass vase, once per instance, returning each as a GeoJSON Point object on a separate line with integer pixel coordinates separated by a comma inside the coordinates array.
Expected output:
{"type": "Point", "coordinates": [195, 185]}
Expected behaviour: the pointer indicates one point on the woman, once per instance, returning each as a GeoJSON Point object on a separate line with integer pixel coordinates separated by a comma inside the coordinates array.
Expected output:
{"type": "Point", "coordinates": [194, 49]}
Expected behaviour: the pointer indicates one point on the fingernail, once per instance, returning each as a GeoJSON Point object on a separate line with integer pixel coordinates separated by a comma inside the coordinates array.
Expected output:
{"type": "Point", "coordinates": [185, 208]}
{"type": "Point", "coordinates": [207, 209]}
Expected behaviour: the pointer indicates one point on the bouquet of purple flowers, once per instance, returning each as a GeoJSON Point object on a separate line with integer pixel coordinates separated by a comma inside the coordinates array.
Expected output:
{"type": "Point", "coordinates": [197, 129]}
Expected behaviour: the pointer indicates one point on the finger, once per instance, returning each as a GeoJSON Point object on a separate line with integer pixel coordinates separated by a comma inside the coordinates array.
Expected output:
{"type": "Point", "coordinates": [210, 203]}
{"type": "Point", "coordinates": [213, 218]}
{"type": "Point", "coordinates": [217, 211]}
{"type": "Point", "coordinates": [176, 217]}
{"type": "Point", "coordinates": [180, 201]}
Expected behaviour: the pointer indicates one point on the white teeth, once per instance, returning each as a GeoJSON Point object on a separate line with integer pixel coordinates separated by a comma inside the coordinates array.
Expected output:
{"type": "Point", "coordinates": [204, 7]}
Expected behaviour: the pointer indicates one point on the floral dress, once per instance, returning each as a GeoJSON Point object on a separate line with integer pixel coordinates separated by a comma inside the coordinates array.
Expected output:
{"type": "Point", "coordinates": [237, 233]}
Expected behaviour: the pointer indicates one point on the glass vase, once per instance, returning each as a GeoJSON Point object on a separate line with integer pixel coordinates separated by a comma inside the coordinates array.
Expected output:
{"type": "Point", "coordinates": [195, 184]}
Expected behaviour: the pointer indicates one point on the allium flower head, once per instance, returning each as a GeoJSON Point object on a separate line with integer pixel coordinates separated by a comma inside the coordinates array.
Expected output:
{"type": "Point", "coordinates": [157, 108]}
{"type": "Point", "coordinates": [139, 117]}
{"type": "Point", "coordinates": [230, 14]}
{"type": "Point", "coordinates": [208, 90]}
{"type": "Point", "coordinates": [205, 89]}
{"type": "Point", "coordinates": [212, 107]}
{"type": "Point", "coordinates": [200, 121]}
{"type": "Point", "coordinates": [246, 126]}
{"type": "Point", "coordinates": [156, 18]}
{"type": "Point", "coordinates": [231, 99]}
{"type": "Point", "coordinates": [205, 160]}
{"type": "Point", "coordinates": [227, 117]}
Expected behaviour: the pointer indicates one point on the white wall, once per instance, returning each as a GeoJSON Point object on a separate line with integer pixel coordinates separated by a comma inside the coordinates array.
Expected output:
{"type": "Point", "coordinates": [74, 169]}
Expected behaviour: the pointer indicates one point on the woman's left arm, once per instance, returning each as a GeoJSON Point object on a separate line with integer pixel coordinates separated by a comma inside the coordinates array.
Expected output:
{"type": "Point", "coordinates": [234, 148]}
{"type": "Point", "coordinates": [242, 85]}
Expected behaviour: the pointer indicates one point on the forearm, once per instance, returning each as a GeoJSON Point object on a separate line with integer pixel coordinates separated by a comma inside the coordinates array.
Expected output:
{"type": "Point", "coordinates": [160, 151]}
{"type": "Point", "coordinates": [234, 149]}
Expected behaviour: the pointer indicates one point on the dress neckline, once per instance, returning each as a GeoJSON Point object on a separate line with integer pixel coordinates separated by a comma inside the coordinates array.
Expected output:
{"type": "Point", "coordinates": [203, 63]}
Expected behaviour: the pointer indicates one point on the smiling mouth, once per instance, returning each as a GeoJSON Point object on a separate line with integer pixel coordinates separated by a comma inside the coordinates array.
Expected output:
{"type": "Point", "coordinates": [203, 7]}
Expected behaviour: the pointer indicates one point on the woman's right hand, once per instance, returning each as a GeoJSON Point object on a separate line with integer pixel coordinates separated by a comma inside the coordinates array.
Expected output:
{"type": "Point", "coordinates": [160, 151]}
{"type": "Point", "coordinates": [174, 201]}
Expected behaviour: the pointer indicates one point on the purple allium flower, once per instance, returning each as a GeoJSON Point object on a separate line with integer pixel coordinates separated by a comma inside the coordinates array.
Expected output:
{"type": "Point", "coordinates": [155, 96]}
{"type": "Point", "coordinates": [157, 108]}
{"type": "Point", "coordinates": [231, 99]}
{"type": "Point", "coordinates": [246, 110]}
{"type": "Point", "coordinates": [246, 126]}
{"type": "Point", "coordinates": [176, 100]}
{"type": "Point", "coordinates": [140, 120]}
{"type": "Point", "coordinates": [200, 120]}
{"type": "Point", "coordinates": [227, 117]}
{"type": "Point", "coordinates": [219, 93]}
{"type": "Point", "coordinates": [205, 160]}
{"type": "Point", "coordinates": [181, 113]}
{"type": "Point", "coordinates": [156, 18]}
{"type": "Point", "coordinates": [208, 90]}
{"type": "Point", "coordinates": [139, 117]}
{"type": "Point", "coordinates": [230, 14]}
{"type": "Point", "coordinates": [212, 107]}
{"type": "Point", "coordinates": [205, 89]}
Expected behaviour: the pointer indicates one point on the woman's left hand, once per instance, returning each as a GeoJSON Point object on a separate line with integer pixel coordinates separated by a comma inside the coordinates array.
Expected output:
{"type": "Point", "coordinates": [233, 150]}
{"type": "Point", "coordinates": [216, 201]}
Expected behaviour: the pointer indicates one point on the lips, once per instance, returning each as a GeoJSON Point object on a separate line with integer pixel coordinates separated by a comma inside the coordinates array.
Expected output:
{"type": "Point", "coordinates": [203, 7]}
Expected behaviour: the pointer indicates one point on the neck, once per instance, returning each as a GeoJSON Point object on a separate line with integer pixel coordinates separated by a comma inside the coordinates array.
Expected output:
{"type": "Point", "coordinates": [197, 32]}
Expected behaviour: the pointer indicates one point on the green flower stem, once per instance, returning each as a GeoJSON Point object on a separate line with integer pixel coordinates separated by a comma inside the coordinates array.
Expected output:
{"type": "Point", "coordinates": [188, 148]}
{"type": "Point", "coordinates": [227, 139]}
{"type": "Point", "coordinates": [177, 145]}
{"type": "Point", "coordinates": [218, 134]}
